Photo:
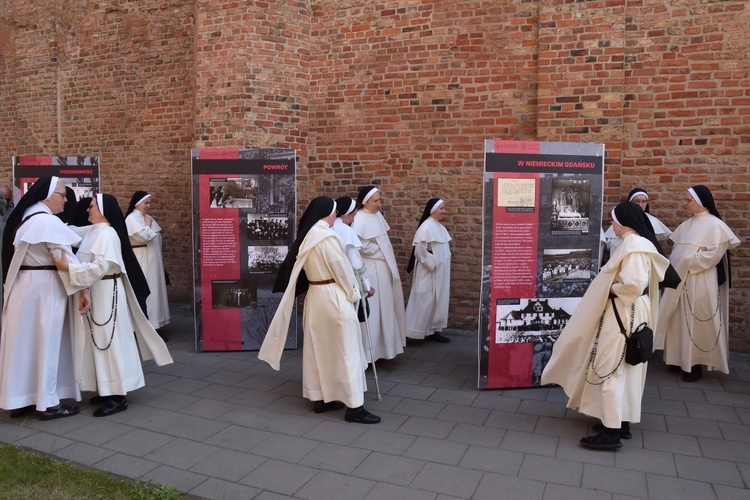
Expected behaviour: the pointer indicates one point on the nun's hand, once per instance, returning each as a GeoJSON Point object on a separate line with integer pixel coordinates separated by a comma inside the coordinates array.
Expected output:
{"type": "Point", "coordinates": [85, 302]}
{"type": "Point", "coordinates": [60, 260]}
{"type": "Point", "coordinates": [371, 292]}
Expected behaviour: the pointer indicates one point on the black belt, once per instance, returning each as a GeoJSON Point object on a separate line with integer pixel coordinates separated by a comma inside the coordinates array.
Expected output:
{"type": "Point", "coordinates": [111, 276]}
{"type": "Point", "coordinates": [324, 282]}
{"type": "Point", "coordinates": [137, 246]}
{"type": "Point", "coordinates": [38, 268]}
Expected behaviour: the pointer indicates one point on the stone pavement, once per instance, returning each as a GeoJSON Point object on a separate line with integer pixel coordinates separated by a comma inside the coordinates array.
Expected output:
{"type": "Point", "coordinates": [226, 426]}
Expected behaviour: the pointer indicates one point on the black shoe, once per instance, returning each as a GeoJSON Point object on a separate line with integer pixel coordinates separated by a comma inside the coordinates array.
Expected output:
{"type": "Point", "coordinates": [59, 411]}
{"type": "Point", "coordinates": [360, 416]}
{"type": "Point", "coordinates": [321, 407]}
{"type": "Point", "coordinates": [112, 405]}
{"type": "Point", "coordinates": [624, 430]}
{"type": "Point", "coordinates": [97, 400]}
{"type": "Point", "coordinates": [436, 337]}
{"type": "Point", "coordinates": [673, 368]}
{"type": "Point", "coordinates": [607, 439]}
{"type": "Point", "coordinates": [22, 412]}
{"type": "Point", "coordinates": [695, 374]}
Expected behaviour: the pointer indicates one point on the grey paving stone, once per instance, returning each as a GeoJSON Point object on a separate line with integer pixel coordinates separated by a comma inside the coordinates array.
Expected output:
{"type": "Point", "coordinates": [295, 425]}
{"type": "Point", "coordinates": [411, 391]}
{"type": "Point", "coordinates": [238, 438]}
{"type": "Point", "coordinates": [181, 453]}
{"type": "Point", "coordinates": [389, 469]}
{"type": "Point", "coordinates": [713, 412]}
{"type": "Point", "coordinates": [291, 404]}
{"type": "Point", "coordinates": [267, 495]}
{"type": "Point", "coordinates": [723, 398]}
{"type": "Point", "coordinates": [184, 384]}
{"type": "Point", "coordinates": [736, 432]}
{"type": "Point", "coordinates": [669, 488]}
{"type": "Point", "coordinates": [279, 477]}
{"type": "Point", "coordinates": [208, 408]}
{"type": "Point", "coordinates": [511, 421]}
{"type": "Point", "coordinates": [404, 376]}
{"type": "Point", "coordinates": [138, 442]}
{"type": "Point", "coordinates": [492, 460]}
{"type": "Point", "coordinates": [259, 383]}
{"type": "Point", "coordinates": [651, 461]}
{"type": "Point", "coordinates": [218, 392]}
{"type": "Point", "coordinates": [683, 394]}
{"type": "Point", "coordinates": [218, 489]}
{"type": "Point", "coordinates": [248, 416]}
{"type": "Point", "coordinates": [526, 442]}
{"type": "Point", "coordinates": [286, 448]}
{"type": "Point", "coordinates": [182, 480]}
{"type": "Point", "coordinates": [495, 486]}
{"type": "Point", "coordinates": [392, 492]}
{"type": "Point", "coordinates": [154, 379]}
{"type": "Point", "coordinates": [225, 377]}
{"type": "Point", "coordinates": [254, 397]}
{"type": "Point", "coordinates": [468, 415]}
{"type": "Point", "coordinates": [614, 480]}
{"type": "Point", "coordinates": [554, 470]}
{"type": "Point", "coordinates": [434, 367]}
{"type": "Point", "coordinates": [166, 400]}
{"type": "Point", "coordinates": [720, 449]}
{"type": "Point", "coordinates": [335, 458]}
{"type": "Point", "coordinates": [662, 407]}
{"type": "Point", "coordinates": [376, 439]}
{"type": "Point", "coordinates": [708, 470]}
{"type": "Point", "coordinates": [414, 408]}
{"type": "Point", "coordinates": [541, 408]}
{"type": "Point", "coordinates": [338, 432]}
{"type": "Point", "coordinates": [495, 401]}
{"type": "Point", "coordinates": [571, 449]}
{"type": "Point", "coordinates": [333, 486]}
{"type": "Point", "coordinates": [443, 381]}
{"type": "Point", "coordinates": [731, 493]}
{"type": "Point", "coordinates": [693, 427]}
{"type": "Point", "coordinates": [455, 481]}
{"type": "Point", "coordinates": [428, 427]}
{"type": "Point", "coordinates": [662, 441]}
{"type": "Point", "coordinates": [83, 453]}
{"type": "Point", "coordinates": [12, 430]}
{"type": "Point", "coordinates": [126, 465]}
{"type": "Point", "coordinates": [436, 450]}
{"type": "Point", "coordinates": [228, 465]}
{"type": "Point", "coordinates": [562, 427]}
{"type": "Point", "coordinates": [561, 492]}
{"type": "Point", "coordinates": [43, 442]}
{"type": "Point", "coordinates": [453, 397]}
{"type": "Point", "coordinates": [477, 434]}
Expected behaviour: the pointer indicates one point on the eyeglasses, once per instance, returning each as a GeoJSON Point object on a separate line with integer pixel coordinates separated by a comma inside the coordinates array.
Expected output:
{"type": "Point", "coordinates": [63, 194]}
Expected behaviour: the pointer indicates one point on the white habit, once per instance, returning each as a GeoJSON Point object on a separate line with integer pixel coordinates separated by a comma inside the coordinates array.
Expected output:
{"type": "Point", "coordinates": [107, 355]}
{"type": "Point", "coordinates": [36, 354]}
{"type": "Point", "coordinates": [610, 390]}
{"type": "Point", "coordinates": [146, 242]}
{"type": "Point", "coordinates": [386, 319]}
{"type": "Point", "coordinates": [694, 317]}
{"type": "Point", "coordinates": [333, 363]}
{"type": "Point", "coordinates": [427, 309]}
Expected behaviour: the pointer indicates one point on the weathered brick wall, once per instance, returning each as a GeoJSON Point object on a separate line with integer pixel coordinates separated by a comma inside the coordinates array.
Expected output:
{"type": "Point", "coordinates": [109, 79]}
{"type": "Point", "coordinates": [397, 93]}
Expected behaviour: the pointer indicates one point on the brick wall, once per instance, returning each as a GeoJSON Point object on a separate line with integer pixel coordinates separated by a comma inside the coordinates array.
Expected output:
{"type": "Point", "coordinates": [396, 93]}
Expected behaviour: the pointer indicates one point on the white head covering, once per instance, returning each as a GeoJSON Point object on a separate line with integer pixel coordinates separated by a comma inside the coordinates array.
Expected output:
{"type": "Point", "coordinates": [695, 197]}
{"type": "Point", "coordinates": [100, 203]}
{"type": "Point", "coordinates": [638, 193]}
{"type": "Point", "coordinates": [437, 204]}
{"type": "Point", "coordinates": [614, 217]}
{"type": "Point", "coordinates": [52, 186]}
{"type": "Point", "coordinates": [142, 200]}
{"type": "Point", "coordinates": [369, 195]}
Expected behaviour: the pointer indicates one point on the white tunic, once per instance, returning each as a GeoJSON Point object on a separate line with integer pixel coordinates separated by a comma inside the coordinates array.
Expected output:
{"type": "Point", "coordinates": [427, 309]}
{"type": "Point", "coordinates": [36, 353]}
{"type": "Point", "coordinates": [386, 320]}
{"type": "Point", "coordinates": [107, 357]}
{"type": "Point", "coordinates": [151, 261]}
{"type": "Point", "coordinates": [694, 318]}
{"type": "Point", "coordinates": [611, 389]}
{"type": "Point", "coordinates": [333, 363]}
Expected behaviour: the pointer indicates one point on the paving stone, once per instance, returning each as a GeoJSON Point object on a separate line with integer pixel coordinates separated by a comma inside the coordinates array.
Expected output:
{"type": "Point", "coordinates": [83, 453]}
{"type": "Point", "coordinates": [527, 442]}
{"type": "Point", "coordinates": [411, 391]}
{"type": "Point", "coordinates": [477, 434]}
{"type": "Point", "coordinates": [219, 392]}
{"type": "Point", "coordinates": [650, 461]}
{"type": "Point", "coordinates": [693, 427]}
{"type": "Point", "coordinates": [43, 442]}
{"type": "Point", "coordinates": [682, 394]}
{"type": "Point", "coordinates": [376, 439]}
{"type": "Point", "coordinates": [730, 493]}
{"type": "Point", "coordinates": [555, 470]}
{"type": "Point", "coordinates": [496, 486]}
{"type": "Point", "coordinates": [511, 421]}
{"type": "Point", "coordinates": [228, 465]}
{"type": "Point", "coordinates": [389, 469]}
{"type": "Point", "coordinates": [427, 427]}
{"type": "Point", "coordinates": [468, 415]}
{"type": "Point", "coordinates": [126, 465]}
{"type": "Point", "coordinates": [279, 477]}
{"type": "Point", "coordinates": [614, 480]}
{"type": "Point", "coordinates": [492, 460]}
{"type": "Point", "coordinates": [436, 450]}
{"type": "Point", "coordinates": [493, 401]}
{"type": "Point", "coordinates": [332, 486]}
{"type": "Point", "coordinates": [669, 488]}
{"type": "Point", "coordinates": [393, 492]}
{"type": "Point", "coordinates": [181, 480]}
{"type": "Point", "coordinates": [734, 451]}
{"type": "Point", "coordinates": [449, 480]}
{"type": "Point", "coordinates": [181, 453]}
{"type": "Point", "coordinates": [238, 438]}
{"type": "Point", "coordinates": [220, 489]}
{"type": "Point", "coordinates": [138, 442]}
{"type": "Point", "coordinates": [415, 408]}
{"type": "Point", "coordinates": [708, 470]}
{"type": "Point", "coordinates": [286, 448]}
{"type": "Point", "coordinates": [561, 492]}
{"type": "Point", "coordinates": [335, 458]}
{"type": "Point", "coordinates": [662, 441]}
{"type": "Point", "coordinates": [337, 432]}
{"type": "Point", "coordinates": [713, 412]}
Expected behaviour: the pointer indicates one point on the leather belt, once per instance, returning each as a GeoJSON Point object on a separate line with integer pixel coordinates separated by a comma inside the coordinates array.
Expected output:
{"type": "Point", "coordinates": [111, 276]}
{"type": "Point", "coordinates": [137, 246]}
{"type": "Point", "coordinates": [324, 282]}
{"type": "Point", "coordinates": [38, 268]}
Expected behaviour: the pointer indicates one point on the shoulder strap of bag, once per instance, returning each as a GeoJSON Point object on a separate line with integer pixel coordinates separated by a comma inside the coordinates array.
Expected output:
{"type": "Point", "coordinates": [617, 316]}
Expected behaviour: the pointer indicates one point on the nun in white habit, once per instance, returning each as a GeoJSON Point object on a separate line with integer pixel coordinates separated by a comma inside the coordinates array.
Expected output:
{"type": "Point", "coordinates": [107, 357]}
{"type": "Point", "coordinates": [36, 354]}
{"type": "Point", "coordinates": [386, 318]}
{"type": "Point", "coordinates": [427, 309]}
{"type": "Point", "coordinates": [639, 197]}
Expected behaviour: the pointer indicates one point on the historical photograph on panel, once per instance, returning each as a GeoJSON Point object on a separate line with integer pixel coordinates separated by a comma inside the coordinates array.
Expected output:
{"type": "Point", "coordinates": [265, 259]}
{"type": "Point", "coordinates": [564, 272]}
{"type": "Point", "coordinates": [267, 229]}
{"type": "Point", "coordinates": [534, 320]}
{"type": "Point", "coordinates": [571, 206]}
{"type": "Point", "coordinates": [238, 192]}
{"type": "Point", "coordinates": [234, 294]}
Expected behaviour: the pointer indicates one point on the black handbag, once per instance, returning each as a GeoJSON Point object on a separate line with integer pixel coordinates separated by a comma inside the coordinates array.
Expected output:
{"type": "Point", "coordinates": [639, 345]}
{"type": "Point", "coordinates": [363, 312]}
